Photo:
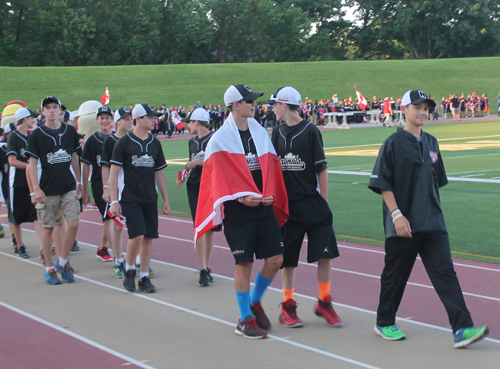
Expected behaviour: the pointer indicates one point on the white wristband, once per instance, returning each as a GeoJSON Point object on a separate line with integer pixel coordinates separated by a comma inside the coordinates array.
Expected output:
{"type": "Point", "coordinates": [79, 183]}
{"type": "Point", "coordinates": [32, 194]}
{"type": "Point", "coordinates": [114, 202]}
{"type": "Point", "coordinates": [396, 217]}
{"type": "Point", "coordinates": [106, 186]}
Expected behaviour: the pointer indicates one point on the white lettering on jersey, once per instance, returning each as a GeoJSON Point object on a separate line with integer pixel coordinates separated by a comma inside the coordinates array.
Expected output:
{"type": "Point", "coordinates": [22, 153]}
{"type": "Point", "coordinates": [98, 157]}
{"type": "Point", "coordinates": [60, 156]}
{"type": "Point", "coordinates": [198, 156]}
{"type": "Point", "coordinates": [253, 162]}
{"type": "Point", "coordinates": [292, 162]}
{"type": "Point", "coordinates": [143, 161]}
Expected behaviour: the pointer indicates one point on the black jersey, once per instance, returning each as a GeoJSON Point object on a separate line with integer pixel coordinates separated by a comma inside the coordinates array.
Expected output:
{"type": "Point", "coordinates": [140, 160]}
{"type": "Point", "coordinates": [92, 151]}
{"type": "Point", "coordinates": [107, 149]}
{"type": "Point", "coordinates": [4, 171]}
{"type": "Point", "coordinates": [301, 154]}
{"type": "Point", "coordinates": [16, 145]}
{"type": "Point", "coordinates": [197, 148]}
{"type": "Point", "coordinates": [54, 149]}
{"type": "Point", "coordinates": [413, 170]}
{"type": "Point", "coordinates": [235, 209]}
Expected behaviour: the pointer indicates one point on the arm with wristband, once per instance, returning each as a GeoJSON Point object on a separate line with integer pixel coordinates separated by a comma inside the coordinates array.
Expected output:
{"type": "Point", "coordinates": [401, 224]}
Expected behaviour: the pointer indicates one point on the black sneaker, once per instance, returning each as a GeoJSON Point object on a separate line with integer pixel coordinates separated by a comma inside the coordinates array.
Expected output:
{"type": "Point", "coordinates": [129, 280]}
{"type": "Point", "coordinates": [75, 246]}
{"type": "Point", "coordinates": [248, 328]}
{"type": "Point", "coordinates": [260, 316]}
{"type": "Point", "coordinates": [204, 279]}
{"type": "Point", "coordinates": [21, 252]}
{"type": "Point", "coordinates": [210, 278]}
{"type": "Point", "coordinates": [146, 285]}
{"type": "Point", "coordinates": [14, 242]}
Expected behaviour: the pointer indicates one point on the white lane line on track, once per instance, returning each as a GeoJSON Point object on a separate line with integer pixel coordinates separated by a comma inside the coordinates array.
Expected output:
{"type": "Point", "coordinates": [75, 335]}
{"type": "Point", "coordinates": [231, 279]}
{"type": "Point", "coordinates": [187, 310]}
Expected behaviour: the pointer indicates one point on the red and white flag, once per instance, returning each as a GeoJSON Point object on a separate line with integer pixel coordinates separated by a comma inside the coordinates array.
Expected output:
{"type": "Point", "coordinates": [105, 97]}
{"type": "Point", "coordinates": [176, 119]}
{"type": "Point", "coordinates": [226, 175]}
{"type": "Point", "coordinates": [361, 100]}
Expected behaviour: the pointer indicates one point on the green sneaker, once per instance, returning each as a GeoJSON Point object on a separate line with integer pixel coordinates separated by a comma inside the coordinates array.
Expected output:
{"type": "Point", "coordinates": [466, 336]}
{"type": "Point", "coordinates": [390, 332]}
{"type": "Point", "coordinates": [2, 232]}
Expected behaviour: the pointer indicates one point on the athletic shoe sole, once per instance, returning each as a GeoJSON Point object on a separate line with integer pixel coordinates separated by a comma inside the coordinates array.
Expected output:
{"type": "Point", "coordinates": [240, 333]}
{"type": "Point", "coordinates": [479, 337]}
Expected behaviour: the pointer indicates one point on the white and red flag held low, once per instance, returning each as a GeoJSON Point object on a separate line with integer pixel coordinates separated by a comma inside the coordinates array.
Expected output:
{"type": "Point", "coordinates": [226, 175]}
{"type": "Point", "coordinates": [105, 97]}
{"type": "Point", "coordinates": [177, 120]}
{"type": "Point", "coordinates": [361, 99]}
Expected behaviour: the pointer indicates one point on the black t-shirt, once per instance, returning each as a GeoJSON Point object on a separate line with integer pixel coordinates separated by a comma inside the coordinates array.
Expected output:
{"type": "Point", "coordinates": [54, 149]}
{"type": "Point", "coordinates": [16, 145]}
{"type": "Point", "coordinates": [413, 171]}
{"type": "Point", "coordinates": [92, 154]}
{"type": "Point", "coordinates": [140, 160]}
{"type": "Point", "coordinates": [197, 148]}
{"type": "Point", "coordinates": [4, 171]}
{"type": "Point", "coordinates": [454, 103]}
{"type": "Point", "coordinates": [235, 209]}
{"type": "Point", "coordinates": [107, 149]}
{"type": "Point", "coordinates": [301, 154]}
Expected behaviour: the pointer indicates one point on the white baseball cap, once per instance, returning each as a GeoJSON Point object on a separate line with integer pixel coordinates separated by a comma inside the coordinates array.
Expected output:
{"type": "Point", "coordinates": [240, 92]}
{"type": "Point", "coordinates": [141, 110]}
{"type": "Point", "coordinates": [415, 97]}
{"type": "Point", "coordinates": [285, 95]}
{"type": "Point", "coordinates": [22, 113]}
{"type": "Point", "coordinates": [199, 114]}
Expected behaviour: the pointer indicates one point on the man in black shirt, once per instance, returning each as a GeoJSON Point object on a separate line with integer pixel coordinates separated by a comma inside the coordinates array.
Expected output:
{"type": "Point", "coordinates": [408, 173]}
{"type": "Point", "coordinates": [91, 156]}
{"type": "Point", "coordinates": [53, 147]}
{"type": "Point", "coordinates": [141, 157]}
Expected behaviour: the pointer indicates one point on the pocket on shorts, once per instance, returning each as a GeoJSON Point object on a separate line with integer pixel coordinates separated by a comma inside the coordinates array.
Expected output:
{"type": "Point", "coordinates": [39, 206]}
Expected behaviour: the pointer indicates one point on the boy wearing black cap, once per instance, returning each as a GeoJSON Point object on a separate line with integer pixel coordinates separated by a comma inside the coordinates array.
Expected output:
{"type": "Point", "coordinates": [300, 148]}
{"type": "Point", "coordinates": [141, 157]}
{"type": "Point", "coordinates": [91, 156]}
{"type": "Point", "coordinates": [22, 209]}
{"type": "Point", "coordinates": [408, 173]}
{"type": "Point", "coordinates": [242, 171]}
{"type": "Point", "coordinates": [53, 147]}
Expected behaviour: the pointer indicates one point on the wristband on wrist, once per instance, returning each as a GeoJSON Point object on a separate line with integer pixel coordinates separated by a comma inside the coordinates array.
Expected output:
{"type": "Point", "coordinates": [32, 194]}
{"type": "Point", "coordinates": [114, 202]}
{"type": "Point", "coordinates": [106, 186]}
{"type": "Point", "coordinates": [79, 183]}
{"type": "Point", "coordinates": [240, 199]}
{"type": "Point", "coordinates": [396, 214]}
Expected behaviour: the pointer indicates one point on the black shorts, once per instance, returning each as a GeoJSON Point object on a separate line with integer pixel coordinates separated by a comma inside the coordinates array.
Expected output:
{"type": "Point", "coordinates": [193, 193]}
{"type": "Point", "coordinates": [102, 205]}
{"type": "Point", "coordinates": [141, 219]}
{"type": "Point", "coordinates": [260, 236]}
{"type": "Point", "coordinates": [22, 209]}
{"type": "Point", "coordinates": [313, 216]}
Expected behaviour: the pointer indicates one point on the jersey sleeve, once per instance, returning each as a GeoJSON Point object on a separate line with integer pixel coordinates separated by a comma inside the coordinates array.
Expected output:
{"type": "Point", "coordinates": [119, 152]}
{"type": "Point", "coordinates": [33, 149]}
{"type": "Point", "coordinates": [160, 161]}
{"type": "Point", "coordinates": [12, 145]}
{"type": "Point", "coordinates": [319, 154]}
{"type": "Point", "coordinates": [76, 140]}
{"type": "Point", "coordinates": [382, 177]}
{"type": "Point", "coordinates": [86, 154]}
{"type": "Point", "coordinates": [107, 151]}
{"type": "Point", "coordinates": [442, 178]}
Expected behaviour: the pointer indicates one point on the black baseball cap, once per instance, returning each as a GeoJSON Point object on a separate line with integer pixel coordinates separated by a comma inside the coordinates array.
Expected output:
{"type": "Point", "coordinates": [50, 100]}
{"type": "Point", "coordinates": [240, 92]}
{"type": "Point", "coordinates": [122, 113]}
{"type": "Point", "coordinates": [104, 110]}
{"type": "Point", "coordinates": [416, 97]}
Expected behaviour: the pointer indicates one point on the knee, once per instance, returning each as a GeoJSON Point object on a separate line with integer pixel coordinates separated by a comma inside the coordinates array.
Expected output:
{"type": "Point", "coordinates": [73, 225]}
{"type": "Point", "coordinates": [275, 262]}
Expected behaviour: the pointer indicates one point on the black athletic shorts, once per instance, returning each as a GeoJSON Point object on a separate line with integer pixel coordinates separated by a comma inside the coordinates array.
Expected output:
{"type": "Point", "coordinates": [193, 193]}
{"type": "Point", "coordinates": [141, 219]}
{"type": "Point", "coordinates": [260, 236]}
{"type": "Point", "coordinates": [22, 209]}
{"type": "Point", "coordinates": [102, 205]}
{"type": "Point", "coordinates": [313, 216]}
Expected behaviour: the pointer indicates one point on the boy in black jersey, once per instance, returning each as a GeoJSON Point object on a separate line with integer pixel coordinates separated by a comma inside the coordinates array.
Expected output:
{"type": "Point", "coordinates": [4, 175]}
{"type": "Point", "coordinates": [53, 147]}
{"type": "Point", "coordinates": [299, 146]}
{"type": "Point", "coordinates": [123, 121]}
{"type": "Point", "coordinates": [141, 157]}
{"type": "Point", "coordinates": [22, 209]}
{"type": "Point", "coordinates": [199, 124]}
{"type": "Point", "coordinates": [91, 156]}
{"type": "Point", "coordinates": [408, 173]}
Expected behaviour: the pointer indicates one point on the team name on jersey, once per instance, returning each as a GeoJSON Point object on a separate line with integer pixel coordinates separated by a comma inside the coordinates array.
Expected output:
{"type": "Point", "coordinates": [198, 156]}
{"type": "Point", "coordinates": [253, 162]}
{"type": "Point", "coordinates": [292, 162]}
{"type": "Point", "coordinates": [60, 156]}
{"type": "Point", "coordinates": [143, 161]}
{"type": "Point", "coordinates": [22, 152]}
{"type": "Point", "coordinates": [98, 159]}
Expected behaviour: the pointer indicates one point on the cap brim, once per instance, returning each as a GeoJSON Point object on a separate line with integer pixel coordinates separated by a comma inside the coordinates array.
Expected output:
{"type": "Point", "coordinates": [153, 114]}
{"type": "Point", "coordinates": [269, 102]}
{"type": "Point", "coordinates": [253, 96]}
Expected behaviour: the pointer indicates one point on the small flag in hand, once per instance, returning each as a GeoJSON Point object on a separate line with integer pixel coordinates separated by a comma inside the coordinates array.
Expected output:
{"type": "Point", "coordinates": [118, 220]}
{"type": "Point", "coordinates": [105, 97]}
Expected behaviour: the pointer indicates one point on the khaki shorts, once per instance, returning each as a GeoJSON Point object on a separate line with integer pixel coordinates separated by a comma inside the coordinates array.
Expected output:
{"type": "Point", "coordinates": [49, 214]}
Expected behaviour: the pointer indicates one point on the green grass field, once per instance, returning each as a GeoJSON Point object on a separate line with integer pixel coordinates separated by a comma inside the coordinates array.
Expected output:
{"type": "Point", "coordinates": [185, 84]}
{"type": "Point", "coordinates": [470, 151]}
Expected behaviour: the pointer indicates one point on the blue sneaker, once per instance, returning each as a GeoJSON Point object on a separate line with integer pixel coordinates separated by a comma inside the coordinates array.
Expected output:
{"type": "Point", "coordinates": [118, 270]}
{"type": "Point", "coordinates": [66, 272]}
{"type": "Point", "coordinates": [138, 267]}
{"type": "Point", "coordinates": [466, 336]}
{"type": "Point", "coordinates": [51, 277]}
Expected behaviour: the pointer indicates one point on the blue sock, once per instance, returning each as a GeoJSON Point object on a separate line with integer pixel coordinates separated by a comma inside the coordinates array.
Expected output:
{"type": "Point", "coordinates": [261, 283]}
{"type": "Point", "coordinates": [244, 304]}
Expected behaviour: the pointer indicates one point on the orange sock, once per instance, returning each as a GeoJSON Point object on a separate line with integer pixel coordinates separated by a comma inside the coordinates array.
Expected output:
{"type": "Point", "coordinates": [324, 290]}
{"type": "Point", "coordinates": [287, 294]}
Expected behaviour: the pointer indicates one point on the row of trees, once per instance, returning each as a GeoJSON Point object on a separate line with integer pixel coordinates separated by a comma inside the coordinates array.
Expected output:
{"type": "Point", "coordinates": [111, 32]}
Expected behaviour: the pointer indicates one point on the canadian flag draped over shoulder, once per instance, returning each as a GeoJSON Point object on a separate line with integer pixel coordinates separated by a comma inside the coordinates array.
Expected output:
{"type": "Point", "coordinates": [226, 175]}
{"type": "Point", "coordinates": [361, 99]}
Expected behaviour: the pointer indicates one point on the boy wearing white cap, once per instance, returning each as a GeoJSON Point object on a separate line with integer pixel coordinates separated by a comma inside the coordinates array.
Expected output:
{"type": "Point", "coordinates": [300, 148]}
{"type": "Point", "coordinates": [408, 173]}
{"type": "Point", "coordinates": [141, 157]}
{"type": "Point", "coordinates": [199, 124]}
{"type": "Point", "coordinates": [22, 209]}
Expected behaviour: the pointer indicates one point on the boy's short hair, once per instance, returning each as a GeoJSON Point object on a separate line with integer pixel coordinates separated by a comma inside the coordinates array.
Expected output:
{"type": "Point", "coordinates": [204, 124]}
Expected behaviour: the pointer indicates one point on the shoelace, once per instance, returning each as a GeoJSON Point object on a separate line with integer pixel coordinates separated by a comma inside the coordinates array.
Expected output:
{"type": "Point", "coordinates": [253, 325]}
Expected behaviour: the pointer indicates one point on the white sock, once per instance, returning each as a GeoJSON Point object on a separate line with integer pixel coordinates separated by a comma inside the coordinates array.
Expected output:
{"type": "Point", "coordinates": [47, 269]}
{"type": "Point", "coordinates": [138, 259]}
{"type": "Point", "coordinates": [129, 267]}
{"type": "Point", "coordinates": [118, 261]}
{"type": "Point", "coordinates": [62, 262]}
{"type": "Point", "coordinates": [143, 274]}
